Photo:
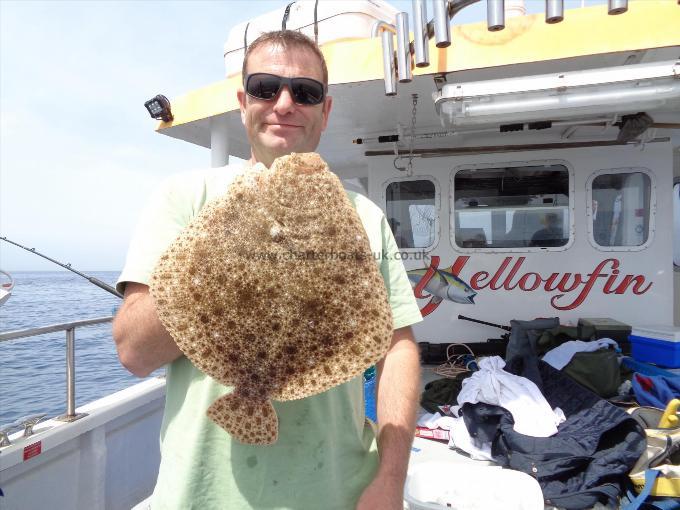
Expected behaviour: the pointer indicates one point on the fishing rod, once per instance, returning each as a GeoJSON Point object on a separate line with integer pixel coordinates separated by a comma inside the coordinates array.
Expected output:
{"type": "Point", "coordinates": [499, 326]}
{"type": "Point", "coordinates": [91, 279]}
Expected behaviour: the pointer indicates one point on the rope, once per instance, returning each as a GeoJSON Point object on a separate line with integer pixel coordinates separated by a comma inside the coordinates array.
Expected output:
{"type": "Point", "coordinates": [455, 363]}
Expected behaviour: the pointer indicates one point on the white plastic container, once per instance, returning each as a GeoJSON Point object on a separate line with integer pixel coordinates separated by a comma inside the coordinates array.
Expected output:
{"type": "Point", "coordinates": [461, 486]}
{"type": "Point", "coordinates": [349, 19]}
{"type": "Point", "coordinates": [666, 333]}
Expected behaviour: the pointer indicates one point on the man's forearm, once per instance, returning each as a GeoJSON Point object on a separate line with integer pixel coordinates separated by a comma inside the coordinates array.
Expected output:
{"type": "Point", "coordinates": [397, 397]}
{"type": "Point", "coordinates": [143, 343]}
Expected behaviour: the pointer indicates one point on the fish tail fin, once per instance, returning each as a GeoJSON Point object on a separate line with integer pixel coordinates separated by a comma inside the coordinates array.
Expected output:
{"type": "Point", "coordinates": [248, 421]}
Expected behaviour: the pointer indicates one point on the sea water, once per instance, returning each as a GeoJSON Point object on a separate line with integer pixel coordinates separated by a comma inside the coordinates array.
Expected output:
{"type": "Point", "coordinates": [33, 370]}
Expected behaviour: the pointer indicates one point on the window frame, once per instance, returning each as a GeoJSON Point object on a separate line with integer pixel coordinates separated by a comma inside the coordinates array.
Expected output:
{"type": "Point", "coordinates": [437, 208]}
{"type": "Point", "coordinates": [652, 208]}
{"type": "Point", "coordinates": [514, 249]}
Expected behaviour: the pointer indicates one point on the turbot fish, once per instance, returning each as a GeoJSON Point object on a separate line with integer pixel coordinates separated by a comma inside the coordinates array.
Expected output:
{"type": "Point", "coordinates": [273, 290]}
{"type": "Point", "coordinates": [444, 285]}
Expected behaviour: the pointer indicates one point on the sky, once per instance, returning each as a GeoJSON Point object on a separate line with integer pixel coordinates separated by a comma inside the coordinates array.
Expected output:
{"type": "Point", "coordinates": [78, 152]}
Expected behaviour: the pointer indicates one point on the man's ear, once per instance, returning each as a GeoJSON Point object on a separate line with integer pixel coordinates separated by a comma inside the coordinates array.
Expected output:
{"type": "Point", "coordinates": [241, 96]}
{"type": "Point", "coordinates": [327, 106]}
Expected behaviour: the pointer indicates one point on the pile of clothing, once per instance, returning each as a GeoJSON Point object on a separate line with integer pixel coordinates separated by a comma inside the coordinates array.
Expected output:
{"type": "Point", "coordinates": [527, 414]}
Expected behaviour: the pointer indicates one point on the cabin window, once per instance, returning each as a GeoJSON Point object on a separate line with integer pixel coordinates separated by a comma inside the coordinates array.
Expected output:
{"type": "Point", "coordinates": [411, 212]}
{"type": "Point", "coordinates": [512, 207]}
{"type": "Point", "coordinates": [620, 209]}
{"type": "Point", "coordinates": [676, 225]}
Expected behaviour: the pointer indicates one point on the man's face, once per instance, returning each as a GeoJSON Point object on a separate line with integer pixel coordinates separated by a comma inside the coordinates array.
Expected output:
{"type": "Point", "coordinates": [279, 126]}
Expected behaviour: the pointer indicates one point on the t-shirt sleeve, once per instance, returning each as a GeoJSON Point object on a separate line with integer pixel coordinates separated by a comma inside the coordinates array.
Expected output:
{"type": "Point", "coordinates": [405, 309]}
{"type": "Point", "coordinates": [165, 215]}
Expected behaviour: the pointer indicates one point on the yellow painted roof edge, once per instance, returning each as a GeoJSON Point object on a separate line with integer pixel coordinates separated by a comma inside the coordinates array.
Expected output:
{"type": "Point", "coordinates": [647, 24]}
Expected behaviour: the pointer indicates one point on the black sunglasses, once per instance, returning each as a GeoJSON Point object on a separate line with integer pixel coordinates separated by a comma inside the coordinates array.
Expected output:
{"type": "Point", "coordinates": [305, 91]}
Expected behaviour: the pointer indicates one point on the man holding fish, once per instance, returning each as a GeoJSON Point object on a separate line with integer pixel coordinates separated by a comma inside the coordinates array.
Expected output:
{"type": "Point", "coordinates": [327, 455]}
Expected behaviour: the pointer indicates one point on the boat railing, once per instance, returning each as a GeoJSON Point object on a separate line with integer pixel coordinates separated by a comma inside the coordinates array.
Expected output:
{"type": "Point", "coordinates": [70, 329]}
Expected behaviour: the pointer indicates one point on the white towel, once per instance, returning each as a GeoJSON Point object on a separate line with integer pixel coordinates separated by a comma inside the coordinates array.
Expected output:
{"type": "Point", "coordinates": [529, 408]}
{"type": "Point", "coordinates": [560, 356]}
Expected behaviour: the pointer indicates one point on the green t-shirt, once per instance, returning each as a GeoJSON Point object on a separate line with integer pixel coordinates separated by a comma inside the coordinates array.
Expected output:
{"type": "Point", "coordinates": [326, 452]}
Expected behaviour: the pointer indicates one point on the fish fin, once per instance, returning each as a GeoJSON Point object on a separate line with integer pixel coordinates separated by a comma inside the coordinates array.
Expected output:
{"type": "Point", "coordinates": [451, 278]}
{"type": "Point", "coordinates": [248, 421]}
{"type": "Point", "coordinates": [416, 272]}
{"type": "Point", "coordinates": [472, 298]}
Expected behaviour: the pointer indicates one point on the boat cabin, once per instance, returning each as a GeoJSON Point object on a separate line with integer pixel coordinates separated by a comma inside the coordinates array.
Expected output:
{"type": "Point", "coordinates": [525, 172]}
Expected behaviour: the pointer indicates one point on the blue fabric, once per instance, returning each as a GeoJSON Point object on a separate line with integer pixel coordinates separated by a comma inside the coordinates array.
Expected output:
{"type": "Point", "coordinates": [645, 368]}
{"type": "Point", "coordinates": [369, 398]}
{"type": "Point", "coordinates": [650, 476]}
{"type": "Point", "coordinates": [666, 504]}
{"type": "Point", "coordinates": [655, 391]}
{"type": "Point", "coordinates": [632, 502]}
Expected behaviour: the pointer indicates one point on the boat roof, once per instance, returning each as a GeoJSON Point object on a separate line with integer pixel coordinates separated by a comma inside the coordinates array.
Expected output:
{"type": "Point", "coordinates": [588, 38]}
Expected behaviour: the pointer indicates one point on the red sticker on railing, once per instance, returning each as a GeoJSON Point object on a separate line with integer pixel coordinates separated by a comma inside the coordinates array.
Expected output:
{"type": "Point", "coordinates": [32, 450]}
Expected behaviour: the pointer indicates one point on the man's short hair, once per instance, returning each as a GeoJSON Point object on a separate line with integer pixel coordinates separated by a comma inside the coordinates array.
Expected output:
{"type": "Point", "coordinates": [286, 39]}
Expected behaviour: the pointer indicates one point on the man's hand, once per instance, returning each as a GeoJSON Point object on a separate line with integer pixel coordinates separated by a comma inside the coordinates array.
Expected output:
{"type": "Point", "coordinates": [382, 493]}
{"type": "Point", "coordinates": [397, 396]}
{"type": "Point", "coordinates": [143, 343]}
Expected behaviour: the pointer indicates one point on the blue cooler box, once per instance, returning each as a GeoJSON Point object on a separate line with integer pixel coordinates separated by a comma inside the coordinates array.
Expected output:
{"type": "Point", "coordinates": [656, 344]}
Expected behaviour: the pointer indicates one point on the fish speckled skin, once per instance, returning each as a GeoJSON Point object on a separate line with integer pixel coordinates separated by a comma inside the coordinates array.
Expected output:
{"type": "Point", "coordinates": [273, 289]}
{"type": "Point", "coordinates": [444, 285]}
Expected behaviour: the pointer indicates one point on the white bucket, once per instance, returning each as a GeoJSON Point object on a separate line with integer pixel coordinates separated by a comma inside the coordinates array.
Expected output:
{"type": "Point", "coordinates": [461, 486]}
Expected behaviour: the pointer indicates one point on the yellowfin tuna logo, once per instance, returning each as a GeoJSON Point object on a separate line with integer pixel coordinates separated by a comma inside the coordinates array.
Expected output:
{"type": "Point", "coordinates": [439, 285]}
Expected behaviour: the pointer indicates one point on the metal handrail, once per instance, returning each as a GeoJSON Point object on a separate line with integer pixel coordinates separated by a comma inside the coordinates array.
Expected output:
{"type": "Point", "coordinates": [23, 333]}
{"type": "Point", "coordinates": [70, 328]}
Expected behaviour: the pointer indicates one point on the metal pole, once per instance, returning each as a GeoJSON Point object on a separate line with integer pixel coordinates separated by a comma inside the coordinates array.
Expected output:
{"type": "Point", "coordinates": [388, 63]}
{"type": "Point", "coordinates": [495, 15]}
{"type": "Point", "coordinates": [219, 141]}
{"type": "Point", "coordinates": [442, 28]}
{"type": "Point", "coordinates": [403, 49]}
{"type": "Point", "coordinates": [420, 39]}
{"type": "Point", "coordinates": [617, 6]}
{"type": "Point", "coordinates": [70, 373]}
{"type": "Point", "coordinates": [55, 328]}
{"type": "Point", "coordinates": [554, 11]}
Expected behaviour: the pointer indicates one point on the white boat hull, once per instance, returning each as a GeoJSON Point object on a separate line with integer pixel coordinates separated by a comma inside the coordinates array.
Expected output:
{"type": "Point", "coordinates": [106, 460]}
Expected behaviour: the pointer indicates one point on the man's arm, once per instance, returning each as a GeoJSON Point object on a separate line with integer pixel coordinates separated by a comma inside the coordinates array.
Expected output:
{"type": "Point", "coordinates": [397, 397]}
{"type": "Point", "coordinates": [143, 343]}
